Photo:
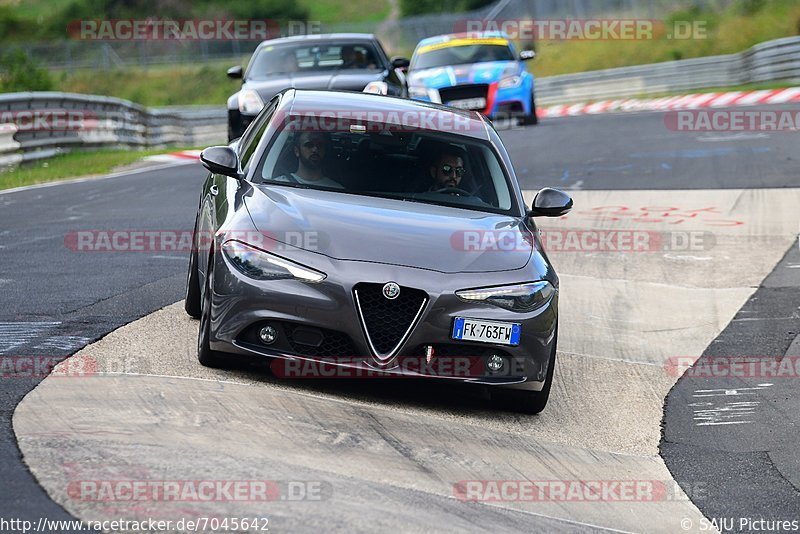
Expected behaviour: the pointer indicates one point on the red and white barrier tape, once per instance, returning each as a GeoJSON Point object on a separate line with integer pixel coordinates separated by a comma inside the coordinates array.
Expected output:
{"type": "Point", "coordinates": [693, 101]}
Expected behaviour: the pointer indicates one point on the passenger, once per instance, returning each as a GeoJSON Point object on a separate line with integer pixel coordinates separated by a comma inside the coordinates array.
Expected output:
{"type": "Point", "coordinates": [310, 149]}
{"type": "Point", "coordinates": [350, 58]}
{"type": "Point", "coordinates": [354, 59]}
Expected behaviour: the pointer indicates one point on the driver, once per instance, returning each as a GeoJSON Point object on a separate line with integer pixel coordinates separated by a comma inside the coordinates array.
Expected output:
{"type": "Point", "coordinates": [446, 170]}
{"type": "Point", "coordinates": [288, 62]}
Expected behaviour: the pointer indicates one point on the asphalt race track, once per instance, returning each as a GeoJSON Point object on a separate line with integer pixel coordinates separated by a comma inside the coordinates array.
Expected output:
{"type": "Point", "coordinates": [718, 277]}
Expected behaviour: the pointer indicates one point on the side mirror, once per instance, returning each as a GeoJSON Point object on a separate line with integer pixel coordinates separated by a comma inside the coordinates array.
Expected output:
{"type": "Point", "coordinates": [525, 55]}
{"type": "Point", "coordinates": [550, 202]}
{"type": "Point", "coordinates": [221, 160]}
{"type": "Point", "coordinates": [400, 63]}
{"type": "Point", "coordinates": [235, 73]}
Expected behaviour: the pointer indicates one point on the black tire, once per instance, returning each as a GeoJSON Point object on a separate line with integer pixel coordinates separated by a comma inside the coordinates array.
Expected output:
{"type": "Point", "coordinates": [206, 356]}
{"type": "Point", "coordinates": [532, 118]}
{"type": "Point", "coordinates": [192, 302]}
{"type": "Point", "coordinates": [524, 401]}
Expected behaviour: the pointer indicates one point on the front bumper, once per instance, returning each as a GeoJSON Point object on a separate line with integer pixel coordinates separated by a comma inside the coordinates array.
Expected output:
{"type": "Point", "coordinates": [241, 306]}
{"type": "Point", "coordinates": [501, 102]}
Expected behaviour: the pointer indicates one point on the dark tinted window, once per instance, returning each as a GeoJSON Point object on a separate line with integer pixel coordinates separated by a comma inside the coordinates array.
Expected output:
{"type": "Point", "coordinates": [289, 59]}
{"type": "Point", "coordinates": [435, 56]}
{"type": "Point", "coordinates": [376, 159]}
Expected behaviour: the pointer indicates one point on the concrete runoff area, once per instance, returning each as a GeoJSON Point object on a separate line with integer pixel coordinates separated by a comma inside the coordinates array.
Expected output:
{"type": "Point", "coordinates": [393, 453]}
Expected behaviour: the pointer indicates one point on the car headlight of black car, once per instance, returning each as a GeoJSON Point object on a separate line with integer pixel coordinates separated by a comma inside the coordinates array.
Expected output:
{"type": "Point", "coordinates": [259, 265]}
{"type": "Point", "coordinates": [377, 88]}
{"type": "Point", "coordinates": [521, 298]}
{"type": "Point", "coordinates": [250, 103]}
{"type": "Point", "coordinates": [418, 90]}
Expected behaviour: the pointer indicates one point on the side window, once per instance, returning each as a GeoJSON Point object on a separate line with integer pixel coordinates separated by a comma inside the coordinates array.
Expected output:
{"type": "Point", "coordinates": [254, 133]}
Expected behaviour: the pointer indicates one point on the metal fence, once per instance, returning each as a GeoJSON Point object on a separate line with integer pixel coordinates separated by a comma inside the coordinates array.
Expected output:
{"type": "Point", "coordinates": [40, 125]}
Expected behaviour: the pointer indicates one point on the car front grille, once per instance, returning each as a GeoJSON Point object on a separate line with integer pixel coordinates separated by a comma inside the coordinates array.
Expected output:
{"type": "Point", "coordinates": [386, 322]}
{"type": "Point", "coordinates": [463, 92]}
{"type": "Point", "coordinates": [319, 342]}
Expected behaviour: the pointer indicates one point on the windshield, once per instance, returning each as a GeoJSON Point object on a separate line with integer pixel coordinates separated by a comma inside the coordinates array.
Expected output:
{"type": "Point", "coordinates": [305, 58]}
{"type": "Point", "coordinates": [373, 160]}
{"type": "Point", "coordinates": [441, 56]}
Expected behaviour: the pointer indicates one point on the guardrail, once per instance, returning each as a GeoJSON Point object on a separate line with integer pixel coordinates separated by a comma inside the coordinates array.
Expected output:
{"type": "Point", "coordinates": [8, 146]}
{"type": "Point", "coordinates": [768, 61]}
{"type": "Point", "coordinates": [40, 125]}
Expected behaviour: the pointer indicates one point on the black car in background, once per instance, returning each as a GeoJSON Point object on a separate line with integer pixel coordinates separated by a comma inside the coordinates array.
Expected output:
{"type": "Point", "coordinates": [342, 62]}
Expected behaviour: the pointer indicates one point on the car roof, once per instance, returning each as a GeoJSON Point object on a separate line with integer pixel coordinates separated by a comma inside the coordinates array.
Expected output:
{"type": "Point", "coordinates": [350, 104]}
{"type": "Point", "coordinates": [436, 39]}
{"type": "Point", "coordinates": [321, 38]}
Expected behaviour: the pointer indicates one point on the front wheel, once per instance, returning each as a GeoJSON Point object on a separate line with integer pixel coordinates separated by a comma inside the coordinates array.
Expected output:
{"type": "Point", "coordinates": [192, 302]}
{"type": "Point", "coordinates": [531, 118]}
{"type": "Point", "coordinates": [206, 356]}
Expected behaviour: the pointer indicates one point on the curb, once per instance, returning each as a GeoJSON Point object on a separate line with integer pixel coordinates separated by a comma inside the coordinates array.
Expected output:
{"type": "Point", "coordinates": [175, 156]}
{"type": "Point", "coordinates": [692, 101]}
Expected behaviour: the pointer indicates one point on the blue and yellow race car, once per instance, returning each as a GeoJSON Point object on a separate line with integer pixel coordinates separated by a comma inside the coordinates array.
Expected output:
{"type": "Point", "coordinates": [476, 71]}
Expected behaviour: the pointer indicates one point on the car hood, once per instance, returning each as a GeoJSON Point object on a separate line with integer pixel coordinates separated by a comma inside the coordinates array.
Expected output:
{"type": "Point", "coordinates": [344, 80]}
{"type": "Point", "coordinates": [438, 77]}
{"type": "Point", "coordinates": [354, 227]}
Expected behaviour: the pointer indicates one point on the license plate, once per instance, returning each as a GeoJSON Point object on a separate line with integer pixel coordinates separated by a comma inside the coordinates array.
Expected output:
{"type": "Point", "coordinates": [468, 103]}
{"type": "Point", "coordinates": [486, 331]}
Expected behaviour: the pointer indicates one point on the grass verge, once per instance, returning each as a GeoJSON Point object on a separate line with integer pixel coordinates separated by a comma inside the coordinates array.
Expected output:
{"type": "Point", "coordinates": [728, 30]}
{"type": "Point", "coordinates": [163, 85]}
{"type": "Point", "coordinates": [73, 165]}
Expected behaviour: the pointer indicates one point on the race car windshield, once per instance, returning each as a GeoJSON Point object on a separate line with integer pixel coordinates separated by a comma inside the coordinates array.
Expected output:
{"type": "Point", "coordinates": [460, 55]}
{"type": "Point", "coordinates": [297, 59]}
{"type": "Point", "coordinates": [376, 159]}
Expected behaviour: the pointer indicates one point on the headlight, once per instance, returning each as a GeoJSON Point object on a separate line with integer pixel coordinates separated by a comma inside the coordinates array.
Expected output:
{"type": "Point", "coordinates": [249, 102]}
{"type": "Point", "coordinates": [418, 91]}
{"type": "Point", "coordinates": [511, 81]}
{"type": "Point", "coordinates": [261, 265]}
{"type": "Point", "coordinates": [517, 297]}
{"type": "Point", "coordinates": [377, 88]}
